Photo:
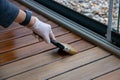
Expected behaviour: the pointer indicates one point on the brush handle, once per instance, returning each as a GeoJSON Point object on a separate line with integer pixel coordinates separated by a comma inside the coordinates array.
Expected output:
{"type": "Point", "coordinates": [58, 44]}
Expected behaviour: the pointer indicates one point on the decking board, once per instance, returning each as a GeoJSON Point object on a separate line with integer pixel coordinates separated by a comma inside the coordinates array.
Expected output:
{"type": "Point", "coordinates": [8, 68]}
{"type": "Point", "coordinates": [33, 59]}
{"type": "Point", "coordinates": [29, 63]}
{"type": "Point", "coordinates": [20, 32]}
{"type": "Point", "coordinates": [13, 34]}
{"type": "Point", "coordinates": [24, 41]}
{"type": "Point", "coordinates": [35, 49]}
{"type": "Point", "coordinates": [11, 27]}
{"type": "Point", "coordinates": [63, 65]}
{"type": "Point", "coordinates": [9, 45]}
{"type": "Point", "coordinates": [90, 71]}
{"type": "Point", "coordinates": [114, 75]}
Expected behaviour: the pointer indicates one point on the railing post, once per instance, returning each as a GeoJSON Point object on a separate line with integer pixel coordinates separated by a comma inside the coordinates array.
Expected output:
{"type": "Point", "coordinates": [110, 17]}
{"type": "Point", "coordinates": [118, 19]}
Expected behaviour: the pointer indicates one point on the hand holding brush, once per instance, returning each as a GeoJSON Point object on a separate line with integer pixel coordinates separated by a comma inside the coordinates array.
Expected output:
{"type": "Point", "coordinates": [44, 30]}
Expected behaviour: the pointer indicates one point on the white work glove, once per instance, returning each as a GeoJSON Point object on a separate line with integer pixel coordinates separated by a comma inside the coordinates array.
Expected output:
{"type": "Point", "coordinates": [43, 29]}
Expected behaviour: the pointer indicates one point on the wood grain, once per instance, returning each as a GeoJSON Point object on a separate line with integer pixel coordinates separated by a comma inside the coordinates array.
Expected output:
{"type": "Point", "coordinates": [11, 27]}
{"type": "Point", "coordinates": [24, 57]}
{"type": "Point", "coordinates": [13, 34]}
{"type": "Point", "coordinates": [34, 49]}
{"type": "Point", "coordinates": [26, 40]}
{"type": "Point", "coordinates": [41, 48]}
{"type": "Point", "coordinates": [9, 45]}
{"type": "Point", "coordinates": [60, 31]}
{"type": "Point", "coordinates": [29, 63]}
{"type": "Point", "coordinates": [21, 32]}
{"type": "Point", "coordinates": [62, 65]}
{"type": "Point", "coordinates": [11, 70]}
{"type": "Point", "coordinates": [115, 75]}
{"type": "Point", "coordinates": [91, 70]}
{"type": "Point", "coordinates": [53, 24]}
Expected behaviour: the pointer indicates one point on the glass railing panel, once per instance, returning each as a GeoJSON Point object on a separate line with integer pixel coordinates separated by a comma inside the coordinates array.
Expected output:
{"type": "Point", "coordinates": [95, 9]}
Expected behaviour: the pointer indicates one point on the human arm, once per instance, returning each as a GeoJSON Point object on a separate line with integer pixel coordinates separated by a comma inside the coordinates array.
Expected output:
{"type": "Point", "coordinates": [10, 13]}
{"type": "Point", "coordinates": [39, 27]}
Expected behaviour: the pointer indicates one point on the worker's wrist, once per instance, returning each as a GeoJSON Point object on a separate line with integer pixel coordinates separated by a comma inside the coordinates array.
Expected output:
{"type": "Point", "coordinates": [21, 18]}
{"type": "Point", "coordinates": [27, 18]}
{"type": "Point", "coordinates": [32, 22]}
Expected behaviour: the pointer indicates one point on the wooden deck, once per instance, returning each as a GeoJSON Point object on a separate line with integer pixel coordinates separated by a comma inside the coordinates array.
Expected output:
{"type": "Point", "coordinates": [24, 57]}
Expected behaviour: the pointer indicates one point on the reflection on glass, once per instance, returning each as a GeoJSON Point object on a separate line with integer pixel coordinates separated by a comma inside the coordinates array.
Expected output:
{"type": "Point", "coordinates": [95, 9]}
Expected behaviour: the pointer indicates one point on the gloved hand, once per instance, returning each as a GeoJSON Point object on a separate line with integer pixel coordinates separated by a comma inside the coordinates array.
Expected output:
{"type": "Point", "coordinates": [43, 29]}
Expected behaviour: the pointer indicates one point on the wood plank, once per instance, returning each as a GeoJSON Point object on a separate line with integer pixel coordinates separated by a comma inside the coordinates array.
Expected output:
{"type": "Point", "coordinates": [13, 34]}
{"type": "Point", "coordinates": [115, 75]}
{"type": "Point", "coordinates": [24, 41]}
{"type": "Point", "coordinates": [17, 33]}
{"type": "Point", "coordinates": [17, 69]}
{"type": "Point", "coordinates": [60, 31]}
{"type": "Point", "coordinates": [63, 65]}
{"type": "Point", "coordinates": [29, 63]}
{"type": "Point", "coordinates": [17, 43]}
{"type": "Point", "coordinates": [53, 24]}
{"type": "Point", "coordinates": [35, 49]}
{"type": "Point", "coordinates": [11, 27]}
{"type": "Point", "coordinates": [89, 71]}
{"type": "Point", "coordinates": [39, 49]}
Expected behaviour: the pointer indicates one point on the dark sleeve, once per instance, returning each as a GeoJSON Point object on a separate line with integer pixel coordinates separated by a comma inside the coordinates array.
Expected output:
{"type": "Point", "coordinates": [8, 13]}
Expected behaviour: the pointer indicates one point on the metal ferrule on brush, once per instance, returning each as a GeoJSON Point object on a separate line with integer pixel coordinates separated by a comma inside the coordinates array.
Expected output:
{"type": "Point", "coordinates": [66, 49]}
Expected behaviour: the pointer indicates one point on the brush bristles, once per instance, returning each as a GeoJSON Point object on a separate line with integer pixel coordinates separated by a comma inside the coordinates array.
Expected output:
{"type": "Point", "coordinates": [69, 49]}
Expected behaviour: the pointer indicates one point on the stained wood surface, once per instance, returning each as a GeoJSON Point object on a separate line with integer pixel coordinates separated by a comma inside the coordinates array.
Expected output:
{"type": "Point", "coordinates": [11, 27]}
{"type": "Point", "coordinates": [63, 65]}
{"type": "Point", "coordinates": [9, 45]}
{"type": "Point", "coordinates": [37, 48]}
{"type": "Point", "coordinates": [114, 75]}
{"type": "Point", "coordinates": [92, 70]}
{"type": "Point", "coordinates": [25, 57]}
{"type": "Point", "coordinates": [16, 33]}
{"type": "Point", "coordinates": [81, 48]}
